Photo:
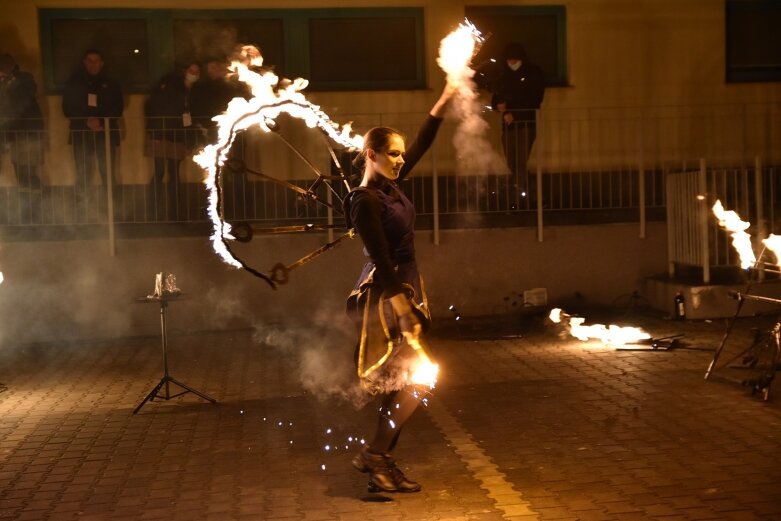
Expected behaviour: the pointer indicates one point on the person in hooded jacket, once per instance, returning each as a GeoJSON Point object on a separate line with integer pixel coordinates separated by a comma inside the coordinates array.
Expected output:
{"type": "Point", "coordinates": [517, 94]}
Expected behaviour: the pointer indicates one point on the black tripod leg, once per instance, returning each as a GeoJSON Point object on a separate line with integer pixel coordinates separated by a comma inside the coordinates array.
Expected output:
{"type": "Point", "coordinates": [190, 389]}
{"type": "Point", "coordinates": [150, 396]}
{"type": "Point", "coordinates": [727, 333]}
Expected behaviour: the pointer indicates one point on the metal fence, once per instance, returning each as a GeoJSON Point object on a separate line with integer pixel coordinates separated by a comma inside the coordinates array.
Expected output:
{"type": "Point", "coordinates": [576, 166]}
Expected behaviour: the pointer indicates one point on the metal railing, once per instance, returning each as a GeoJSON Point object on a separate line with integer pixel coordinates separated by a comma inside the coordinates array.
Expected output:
{"type": "Point", "coordinates": [585, 165]}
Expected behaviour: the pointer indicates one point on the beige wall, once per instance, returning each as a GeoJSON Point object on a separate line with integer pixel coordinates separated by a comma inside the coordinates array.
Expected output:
{"type": "Point", "coordinates": [75, 289]}
{"type": "Point", "coordinates": [621, 55]}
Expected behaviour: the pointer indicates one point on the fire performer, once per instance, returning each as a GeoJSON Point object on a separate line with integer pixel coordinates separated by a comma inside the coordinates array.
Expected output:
{"type": "Point", "coordinates": [388, 303]}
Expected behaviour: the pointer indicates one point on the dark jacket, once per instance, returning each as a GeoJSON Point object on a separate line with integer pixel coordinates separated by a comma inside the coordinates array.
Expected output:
{"type": "Point", "coordinates": [19, 109]}
{"type": "Point", "coordinates": [164, 108]}
{"type": "Point", "coordinates": [521, 90]}
{"type": "Point", "coordinates": [109, 102]}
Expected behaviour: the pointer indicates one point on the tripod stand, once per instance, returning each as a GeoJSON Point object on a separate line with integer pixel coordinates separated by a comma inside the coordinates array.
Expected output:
{"type": "Point", "coordinates": [768, 345]}
{"type": "Point", "coordinates": [167, 379]}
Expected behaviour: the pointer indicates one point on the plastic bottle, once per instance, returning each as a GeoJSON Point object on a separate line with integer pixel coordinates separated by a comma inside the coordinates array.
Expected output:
{"type": "Point", "coordinates": [680, 307]}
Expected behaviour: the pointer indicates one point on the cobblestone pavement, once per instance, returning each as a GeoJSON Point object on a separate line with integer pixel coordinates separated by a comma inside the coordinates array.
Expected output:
{"type": "Point", "coordinates": [530, 427]}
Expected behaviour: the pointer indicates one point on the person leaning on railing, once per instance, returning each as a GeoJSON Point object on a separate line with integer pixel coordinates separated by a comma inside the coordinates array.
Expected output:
{"type": "Point", "coordinates": [21, 123]}
{"type": "Point", "coordinates": [172, 131]}
{"type": "Point", "coordinates": [89, 97]}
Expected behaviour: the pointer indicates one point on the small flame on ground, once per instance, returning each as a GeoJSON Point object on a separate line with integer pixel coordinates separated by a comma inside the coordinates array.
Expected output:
{"type": "Point", "coordinates": [609, 335]}
{"type": "Point", "coordinates": [730, 221]}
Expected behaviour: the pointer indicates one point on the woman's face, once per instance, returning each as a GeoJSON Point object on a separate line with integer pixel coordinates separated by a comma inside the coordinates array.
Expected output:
{"type": "Point", "coordinates": [389, 163]}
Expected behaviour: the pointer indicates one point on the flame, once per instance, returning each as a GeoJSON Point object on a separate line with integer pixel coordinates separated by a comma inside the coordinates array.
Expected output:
{"type": "Point", "coordinates": [730, 221]}
{"type": "Point", "coordinates": [611, 335]}
{"type": "Point", "coordinates": [270, 98]}
{"type": "Point", "coordinates": [423, 370]}
{"type": "Point", "coordinates": [456, 51]}
{"type": "Point", "coordinates": [773, 243]}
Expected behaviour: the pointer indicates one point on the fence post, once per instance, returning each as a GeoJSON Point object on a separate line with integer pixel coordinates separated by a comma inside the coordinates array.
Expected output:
{"type": "Point", "coordinates": [641, 180]}
{"type": "Point", "coordinates": [704, 214]}
{"type": "Point", "coordinates": [538, 142]}
{"type": "Point", "coordinates": [761, 230]}
{"type": "Point", "coordinates": [435, 194]}
{"type": "Point", "coordinates": [112, 243]}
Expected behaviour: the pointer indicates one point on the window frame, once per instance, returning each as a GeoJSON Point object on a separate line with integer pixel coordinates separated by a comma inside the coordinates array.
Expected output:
{"type": "Point", "coordinates": [560, 77]}
{"type": "Point", "coordinates": [160, 40]}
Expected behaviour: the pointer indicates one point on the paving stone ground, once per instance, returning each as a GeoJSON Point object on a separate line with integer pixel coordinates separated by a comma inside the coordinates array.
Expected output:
{"type": "Point", "coordinates": [529, 426]}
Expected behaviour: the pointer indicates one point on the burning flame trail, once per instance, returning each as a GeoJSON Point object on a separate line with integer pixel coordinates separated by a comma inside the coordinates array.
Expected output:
{"type": "Point", "coordinates": [270, 98]}
{"type": "Point", "coordinates": [612, 335]}
{"type": "Point", "coordinates": [730, 221]}
{"type": "Point", "coordinates": [456, 50]}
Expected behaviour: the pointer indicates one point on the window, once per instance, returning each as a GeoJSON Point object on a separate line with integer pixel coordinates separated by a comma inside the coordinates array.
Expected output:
{"type": "Point", "coordinates": [753, 41]}
{"type": "Point", "coordinates": [540, 29]}
{"type": "Point", "coordinates": [378, 52]}
{"type": "Point", "coordinates": [121, 36]}
{"type": "Point", "coordinates": [336, 49]}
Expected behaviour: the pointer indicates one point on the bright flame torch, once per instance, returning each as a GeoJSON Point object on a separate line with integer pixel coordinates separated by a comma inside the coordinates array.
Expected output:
{"type": "Point", "coordinates": [476, 153]}
{"type": "Point", "coordinates": [611, 335]}
{"type": "Point", "coordinates": [730, 221]}
{"type": "Point", "coordinates": [270, 98]}
{"type": "Point", "coordinates": [423, 371]}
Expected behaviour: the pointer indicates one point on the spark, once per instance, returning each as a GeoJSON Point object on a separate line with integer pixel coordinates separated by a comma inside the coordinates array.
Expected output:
{"type": "Point", "coordinates": [392, 424]}
{"type": "Point", "coordinates": [322, 467]}
{"type": "Point", "coordinates": [327, 447]}
{"type": "Point", "coordinates": [328, 430]}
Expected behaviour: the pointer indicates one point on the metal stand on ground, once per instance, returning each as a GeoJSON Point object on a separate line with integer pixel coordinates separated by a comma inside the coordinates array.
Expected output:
{"type": "Point", "coordinates": [167, 379]}
{"type": "Point", "coordinates": [768, 345]}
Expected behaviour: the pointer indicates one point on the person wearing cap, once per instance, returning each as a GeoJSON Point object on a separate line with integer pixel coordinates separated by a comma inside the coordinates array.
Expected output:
{"type": "Point", "coordinates": [21, 122]}
{"type": "Point", "coordinates": [517, 95]}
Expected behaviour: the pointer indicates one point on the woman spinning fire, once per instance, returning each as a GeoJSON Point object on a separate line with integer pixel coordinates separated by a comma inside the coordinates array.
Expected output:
{"type": "Point", "coordinates": [388, 303]}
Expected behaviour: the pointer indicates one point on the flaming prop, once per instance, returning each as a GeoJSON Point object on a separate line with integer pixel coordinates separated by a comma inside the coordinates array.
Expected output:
{"type": "Point", "coordinates": [423, 371]}
{"type": "Point", "coordinates": [270, 98]}
{"type": "Point", "coordinates": [611, 335]}
{"type": "Point", "coordinates": [730, 221]}
{"type": "Point", "coordinates": [773, 243]}
{"type": "Point", "coordinates": [456, 51]}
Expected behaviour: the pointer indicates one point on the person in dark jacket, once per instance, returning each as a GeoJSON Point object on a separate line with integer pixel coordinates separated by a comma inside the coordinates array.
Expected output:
{"type": "Point", "coordinates": [518, 93]}
{"type": "Point", "coordinates": [172, 133]}
{"type": "Point", "coordinates": [89, 98]}
{"type": "Point", "coordinates": [21, 122]}
{"type": "Point", "coordinates": [388, 303]}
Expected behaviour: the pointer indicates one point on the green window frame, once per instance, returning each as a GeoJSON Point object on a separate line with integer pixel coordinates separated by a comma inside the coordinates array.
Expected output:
{"type": "Point", "coordinates": [158, 54]}
{"type": "Point", "coordinates": [541, 29]}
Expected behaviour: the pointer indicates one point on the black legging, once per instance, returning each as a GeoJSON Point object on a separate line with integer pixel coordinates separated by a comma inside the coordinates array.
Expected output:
{"type": "Point", "coordinates": [397, 408]}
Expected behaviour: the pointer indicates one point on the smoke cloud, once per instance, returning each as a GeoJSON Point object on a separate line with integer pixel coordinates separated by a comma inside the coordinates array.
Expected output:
{"type": "Point", "coordinates": [324, 349]}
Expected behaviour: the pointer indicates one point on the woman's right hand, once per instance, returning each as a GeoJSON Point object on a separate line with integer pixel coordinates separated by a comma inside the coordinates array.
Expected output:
{"type": "Point", "coordinates": [440, 107]}
{"type": "Point", "coordinates": [408, 321]}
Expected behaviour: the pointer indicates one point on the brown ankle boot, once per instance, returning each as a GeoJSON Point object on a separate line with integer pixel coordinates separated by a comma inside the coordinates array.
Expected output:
{"type": "Point", "coordinates": [379, 468]}
{"type": "Point", "coordinates": [403, 484]}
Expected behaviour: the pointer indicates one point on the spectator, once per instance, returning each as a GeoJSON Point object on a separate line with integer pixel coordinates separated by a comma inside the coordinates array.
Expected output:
{"type": "Point", "coordinates": [89, 98]}
{"type": "Point", "coordinates": [172, 135]}
{"type": "Point", "coordinates": [517, 94]}
{"type": "Point", "coordinates": [21, 123]}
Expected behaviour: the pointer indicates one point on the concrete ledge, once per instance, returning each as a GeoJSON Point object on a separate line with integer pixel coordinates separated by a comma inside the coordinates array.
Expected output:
{"type": "Point", "coordinates": [710, 301]}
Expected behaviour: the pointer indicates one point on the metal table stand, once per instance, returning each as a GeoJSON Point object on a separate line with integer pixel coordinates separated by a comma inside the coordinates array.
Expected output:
{"type": "Point", "coordinates": [167, 379]}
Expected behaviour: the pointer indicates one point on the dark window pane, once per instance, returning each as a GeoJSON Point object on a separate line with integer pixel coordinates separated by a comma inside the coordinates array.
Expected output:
{"type": "Point", "coordinates": [203, 39]}
{"type": "Point", "coordinates": [123, 44]}
{"type": "Point", "coordinates": [753, 41]}
{"type": "Point", "coordinates": [363, 49]}
{"type": "Point", "coordinates": [536, 29]}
